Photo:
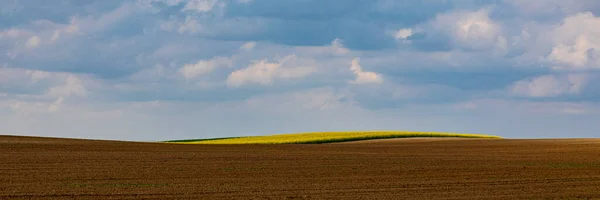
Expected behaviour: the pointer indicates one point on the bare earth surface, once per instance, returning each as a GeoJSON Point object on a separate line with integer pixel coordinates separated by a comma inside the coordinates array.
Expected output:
{"type": "Point", "coordinates": [43, 168]}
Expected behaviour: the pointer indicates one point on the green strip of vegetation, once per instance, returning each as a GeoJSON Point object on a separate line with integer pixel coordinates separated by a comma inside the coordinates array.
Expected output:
{"type": "Point", "coordinates": [198, 140]}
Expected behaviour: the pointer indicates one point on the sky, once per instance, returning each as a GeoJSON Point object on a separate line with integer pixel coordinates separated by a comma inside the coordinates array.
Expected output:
{"type": "Point", "coordinates": [148, 70]}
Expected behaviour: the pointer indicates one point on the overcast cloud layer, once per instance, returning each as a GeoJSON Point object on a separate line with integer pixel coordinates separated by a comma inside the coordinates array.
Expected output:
{"type": "Point", "coordinates": [174, 69]}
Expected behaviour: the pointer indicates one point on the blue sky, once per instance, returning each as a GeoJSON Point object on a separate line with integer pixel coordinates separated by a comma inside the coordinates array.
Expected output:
{"type": "Point", "coordinates": [173, 69]}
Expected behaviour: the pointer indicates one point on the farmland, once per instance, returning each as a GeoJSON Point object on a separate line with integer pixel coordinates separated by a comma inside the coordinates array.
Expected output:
{"type": "Point", "coordinates": [407, 168]}
{"type": "Point", "coordinates": [329, 137]}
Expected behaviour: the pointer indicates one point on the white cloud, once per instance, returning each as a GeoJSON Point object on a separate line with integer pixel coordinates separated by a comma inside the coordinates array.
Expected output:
{"type": "Point", "coordinates": [166, 2]}
{"type": "Point", "coordinates": [14, 76]}
{"type": "Point", "coordinates": [404, 33]}
{"type": "Point", "coordinates": [34, 35]}
{"type": "Point", "coordinates": [473, 30]}
{"type": "Point", "coordinates": [248, 46]}
{"type": "Point", "coordinates": [202, 5]}
{"type": "Point", "coordinates": [54, 84]}
{"type": "Point", "coordinates": [190, 71]}
{"type": "Point", "coordinates": [199, 6]}
{"type": "Point", "coordinates": [55, 36]}
{"type": "Point", "coordinates": [72, 27]}
{"type": "Point", "coordinates": [72, 86]}
{"type": "Point", "coordinates": [58, 84]}
{"type": "Point", "coordinates": [338, 48]}
{"type": "Point", "coordinates": [550, 85]}
{"type": "Point", "coordinates": [190, 25]}
{"type": "Point", "coordinates": [33, 42]}
{"type": "Point", "coordinates": [58, 87]}
{"type": "Point", "coordinates": [44, 32]}
{"type": "Point", "coordinates": [55, 106]}
{"type": "Point", "coordinates": [11, 33]}
{"type": "Point", "coordinates": [363, 77]}
{"type": "Point", "coordinates": [56, 31]}
{"type": "Point", "coordinates": [577, 42]}
{"type": "Point", "coordinates": [264, 72]}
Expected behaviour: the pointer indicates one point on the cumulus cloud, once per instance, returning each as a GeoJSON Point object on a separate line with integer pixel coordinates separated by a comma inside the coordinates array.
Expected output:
{"type": "Point", "coordinates": [190, 25]}
{"type": "Point", "coordinates": [190, 71]}
{"type": "Point", "coordinates": [72, 86]}
{"type": "Point", "coordinates": [335, 48]}
{"type": "Point", "coordinates": [202, 5]}
{"type": "Point", "coordinates": [577, 42]}
{"type": "Point", "coordinates": [19, 76]}
{"type": "Point", "coordinates": [263, 72]}
{"type": "Point", "coordinates": [11, 33]}
{"type": "Point", "coordinates": [58, 84]}
{"type": "Point", "coordinates": [33, 42]}
{"type": "Point", "coordinates": [470, 29]}
{"type": "Point", "coordinates": [403, 34]}
{"type": "Point", "coordinates": [248, 46]}
{"type": "Point", "coordinates": [550, 85]}
{"type": "Point", "coordinates": [55, 106]}
{"type": "Point", "coordinates": [338, 48]}
{"type": "Point", "coordinates": [25, 85]}
{"type": "Point", "coordinates": [363, 77]}
{"type": "Point", "coordinates": [195, 6]}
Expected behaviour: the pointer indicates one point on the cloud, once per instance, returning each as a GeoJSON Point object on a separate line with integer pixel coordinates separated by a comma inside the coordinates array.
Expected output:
{"type": "Point", "coordinates": [363, 77]}
{"type": "Point", "coordinates": [55, 106]}
{"type": "Point", "coordinates": [33, 42]}
{"type": "Point", "coordinates": [11, 33]}
{"type": "Point", "coordinates": [190, 71]}
{"type": "Point", "coordinates": [202, 5]}
{"type": "Point", "coordinates": [248, 46]}
{"type": "Point", "coordinates": [470, 29]}
{"type": "Point", "coordinates": [192, 6]}
{"type": "Point", "coordinates": [577, 42]}
{"type": "Point", "coordinates": [403, 34]}
{"type": "Point", "coordinates": [72, 86]}
{"type": "Point", "coordinates": [264, 72]}
{"type": "Point", "coordinates": [190, 25]}
{"type": "Point", "coordinates": [334, 48]}
{"type": "Point", "coordinates": [338, 48]}
{"type": "Point", "coordinates": [550, 85]}
{"type": "Point", "coordinates": [20, 76]}
{"type": "Point", "coordinates": [34, 91]}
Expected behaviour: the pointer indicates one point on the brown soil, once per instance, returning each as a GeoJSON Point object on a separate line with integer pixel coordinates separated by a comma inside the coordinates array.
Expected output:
{"type": "Point", "coordinates": [406, 140]}
{"type": "Point", "coordinates": [43, 168]}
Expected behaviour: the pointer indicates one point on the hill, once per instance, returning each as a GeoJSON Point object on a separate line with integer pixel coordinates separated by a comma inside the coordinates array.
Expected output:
{"type": "Point", "coordinates": [327, 137]}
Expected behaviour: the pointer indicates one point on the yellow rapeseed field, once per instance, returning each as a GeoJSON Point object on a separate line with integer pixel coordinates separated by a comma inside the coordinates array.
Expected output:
{"type": "Point", "coordinates": [329, 137]}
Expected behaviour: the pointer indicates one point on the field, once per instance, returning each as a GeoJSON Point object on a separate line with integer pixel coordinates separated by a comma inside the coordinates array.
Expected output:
{"type": "Point", "coordinates": [328, 137]}
{"type": "Point", "coordinates": [408, 168]}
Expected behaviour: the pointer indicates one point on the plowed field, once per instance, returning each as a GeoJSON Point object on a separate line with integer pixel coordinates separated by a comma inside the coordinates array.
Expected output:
{"type": "Point", "coordinates": [45, 168]}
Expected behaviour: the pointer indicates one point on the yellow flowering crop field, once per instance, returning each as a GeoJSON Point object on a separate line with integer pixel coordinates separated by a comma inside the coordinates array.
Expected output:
{"type": "Point", "coordinates": [329, 137]}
